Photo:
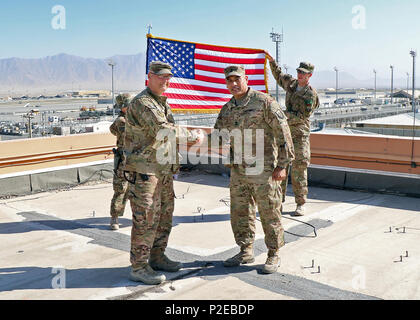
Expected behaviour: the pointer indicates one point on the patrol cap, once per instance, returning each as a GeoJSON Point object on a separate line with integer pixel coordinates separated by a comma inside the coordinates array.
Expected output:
{"type": "Point", "coordinates": [234, 71]}
{"type": "Point", "coordinates": [159, 67]}
{"type": "Point", "coordinates": [306, 67]}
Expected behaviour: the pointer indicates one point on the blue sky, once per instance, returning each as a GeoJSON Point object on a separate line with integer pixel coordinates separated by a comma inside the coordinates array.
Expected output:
{"type": "Point", "coordinates": [320, 31]}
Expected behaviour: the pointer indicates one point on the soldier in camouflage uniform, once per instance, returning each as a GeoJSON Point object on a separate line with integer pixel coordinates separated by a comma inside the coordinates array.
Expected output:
{"type": "Point", "coordinates": [151, 191]}
{"type": "Point", "coordinates": [301, 101]}
{"type": "Point", "coordinates": [119, 184]}
{"type": "Point", "coordinates": [254, 110]}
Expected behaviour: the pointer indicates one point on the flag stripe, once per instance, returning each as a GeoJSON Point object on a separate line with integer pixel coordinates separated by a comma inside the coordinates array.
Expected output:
{"type": "Point", "coordinates": [197, 93]}
{"type": "Point", "coordinates": [191, 106]}
{"type": "Point", "coordinates": [198, 87]}
{"type": "Point", "coordinates": [221, 70]}
{"type": "Point", "coordinates": [230, 55]}
{"type": "Point", "coordinates": [222, 75]}
{"type": "Point", "coordinates": [224, 65]}
{"type": "Point", "coordinates": [196, 102]}
{"type": "Point", "coordinates": [226, 49]}
{"type": "Point", "coordinates": [204, 86]}
{"type": "Point", "coordinates": [229, 60]}
{"type": "Point", "coordinates": [218, 80]}
{"type": "Point", "coordinates": [194, 97]}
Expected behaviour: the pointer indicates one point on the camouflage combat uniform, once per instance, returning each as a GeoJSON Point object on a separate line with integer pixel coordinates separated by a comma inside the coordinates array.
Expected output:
{"type": "Point", "coordinates": [300, 104]}
{"type": "Point", "coordinates": [151, 194]}
{"type": "Point", "coordinates": [119, 183]}
{"type": "Point", "coordinates": [257, 110]}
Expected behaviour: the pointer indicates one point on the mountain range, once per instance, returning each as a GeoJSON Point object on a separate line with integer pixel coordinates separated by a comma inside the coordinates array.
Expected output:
{"type": "Point", "coordinates": [68, 72]}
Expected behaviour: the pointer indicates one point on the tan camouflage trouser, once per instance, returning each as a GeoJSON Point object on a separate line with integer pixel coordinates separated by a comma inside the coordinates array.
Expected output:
{"type": "Point", "coordinates": [120, 186]}
{"type": "Point", "coordinates": [152, 204]}
{"type": "Point", "coordinates": [247, 193]}
{"type": "Point", "coordinates": [299, 166]}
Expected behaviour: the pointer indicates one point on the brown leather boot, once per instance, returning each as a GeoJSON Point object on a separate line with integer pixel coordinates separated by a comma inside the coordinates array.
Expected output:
{"type": "Point", "coordinates": [147, 275]}
{"type": "Point", "coordinates": [300, 210]}
{"type": "Point", "coordinates": [159, 261]}
{"type": "Point", "coordinates": [272, 263]}
{"type": "Point", "coordinates": [165, 264]}
{"type": "Point", "coordinates": [246, 255]}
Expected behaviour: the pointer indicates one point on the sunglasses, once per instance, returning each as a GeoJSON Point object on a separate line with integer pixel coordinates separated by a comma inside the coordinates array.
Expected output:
{"type": "Point", "coordinates": [163, 77]}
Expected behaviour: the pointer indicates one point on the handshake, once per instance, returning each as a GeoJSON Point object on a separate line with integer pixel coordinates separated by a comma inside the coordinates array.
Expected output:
{"type": "Point", "coordinates": [198, 135]}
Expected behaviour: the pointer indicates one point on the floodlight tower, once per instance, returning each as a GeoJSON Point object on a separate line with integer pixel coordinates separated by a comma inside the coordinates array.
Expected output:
{"type": "Point", "coordinates": [277, 38]}
{"type": "Point", "coordinates": [336, 83]}
{"type": "Point", "coordinates": [112, 64]}
{"type": "Point", "coordinates": [392, 81]}
{"type": "Point", "coordinates": [414, 54]}
{"type": "Point", "coordinates": [374, 71]}
{"type": "Point", "coordinates": [30, 115]}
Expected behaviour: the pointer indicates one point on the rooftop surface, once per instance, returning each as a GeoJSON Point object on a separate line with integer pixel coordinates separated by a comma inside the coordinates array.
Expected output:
{"type": "Point", "coordinates": [405, 119]}
{"type": "Point", "coordinates": [349, 245]}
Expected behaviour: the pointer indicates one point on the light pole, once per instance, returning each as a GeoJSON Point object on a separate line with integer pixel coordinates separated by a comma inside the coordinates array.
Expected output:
{"type": "Point", "coordinates": [277, 38]}
{"type": "Point", "coordinates": [112, 64]}
{"type": "Point", "coordinates": [374, 71]}
{"type": "Point", "coordinates": [30, 115]}
{"type": "Point", "coordinates": [392, 81]}
{"type": "Point", "coordinates": [414, 54]}
{"type": "Point", "coordinates": [336, 83]}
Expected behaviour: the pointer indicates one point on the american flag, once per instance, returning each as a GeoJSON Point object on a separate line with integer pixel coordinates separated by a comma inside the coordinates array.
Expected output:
{"type": "Point", "coordinates": [198, 84]}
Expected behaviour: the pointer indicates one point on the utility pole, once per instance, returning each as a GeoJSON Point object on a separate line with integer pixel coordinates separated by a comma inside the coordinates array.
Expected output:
{"type": "Point", "coordinates": [112, 64]}
{"type": "Point", "coordinates": [414, 54]}
{"type": "Point", "coordinates": [374, 71]}
{"type": "Point", "coordinates": [336, 83]}
{"type": "Point", "coordinates": [286, 67]}
{"type": "Point", "coordinates": [392, 81]}
{"type": "Point", "coordinates": [277, 38]}
{"type": "Point", "coordinates": [30, 116]}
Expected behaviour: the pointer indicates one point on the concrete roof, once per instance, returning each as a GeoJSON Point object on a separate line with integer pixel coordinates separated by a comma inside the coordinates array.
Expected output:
{"type": "Point", "coordinates": [405, 119]}
{"type": "Point", "coordinates": [61, 239]}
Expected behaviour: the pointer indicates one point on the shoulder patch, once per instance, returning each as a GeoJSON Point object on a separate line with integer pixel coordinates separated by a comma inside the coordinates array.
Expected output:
{"type": "Point", "coordinates": [309, 102]}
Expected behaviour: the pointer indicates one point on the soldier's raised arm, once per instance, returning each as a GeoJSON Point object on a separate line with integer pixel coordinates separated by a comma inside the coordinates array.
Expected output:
{"type": "Point", "coordinates": [283, 79]}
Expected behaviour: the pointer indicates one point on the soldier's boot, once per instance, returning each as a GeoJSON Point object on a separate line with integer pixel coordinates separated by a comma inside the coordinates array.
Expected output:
{"type": "Point", "coordinates": [272, 263]}
{"type": "Point", "coordinates": [159, 261]}
{"type": "Point", "coordinates": [283, 199]}
{"type": "Point", "coordinates": [246, 255]}
{"type": "Point", "coordinates": [147, 275]}
{"type": "Point", "coordinates": [300, 210]}
{"type": "Point", "coordinates": [114, 223]}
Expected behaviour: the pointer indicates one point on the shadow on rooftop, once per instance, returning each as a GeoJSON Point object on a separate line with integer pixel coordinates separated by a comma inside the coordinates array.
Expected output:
{"type": "Point", "coordinates": [34, 223]}
{"type": "Point", "coordinates": [323, 193]}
